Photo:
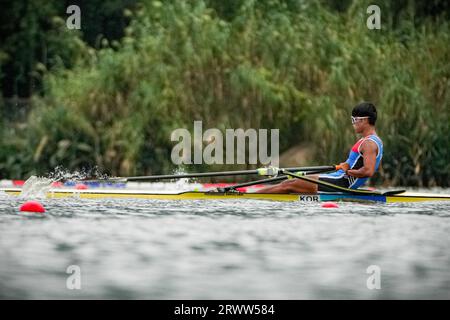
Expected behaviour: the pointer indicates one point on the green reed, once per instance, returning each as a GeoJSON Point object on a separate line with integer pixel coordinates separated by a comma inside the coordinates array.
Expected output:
{"type": "Point", "coordinates": [300, 69]}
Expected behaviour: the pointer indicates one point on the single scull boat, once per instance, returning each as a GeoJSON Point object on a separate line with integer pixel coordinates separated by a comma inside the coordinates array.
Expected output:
{"type": "Point", "coordinates": [232, 192]}
{"type": "Point", "coordinates": [214, 195]}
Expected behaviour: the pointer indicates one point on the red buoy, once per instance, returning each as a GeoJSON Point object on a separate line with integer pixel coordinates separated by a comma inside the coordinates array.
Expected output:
{"type": "Point", "coordinates": [81, 186]}
{"type": "Point", "coordinates": [32, 206]}
{"type": "Point", "coordinates": [329, 205]}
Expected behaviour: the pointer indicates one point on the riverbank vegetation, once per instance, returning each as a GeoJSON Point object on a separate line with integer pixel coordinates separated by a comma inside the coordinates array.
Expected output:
{"type": "Point", "coordinates": [297, 66]}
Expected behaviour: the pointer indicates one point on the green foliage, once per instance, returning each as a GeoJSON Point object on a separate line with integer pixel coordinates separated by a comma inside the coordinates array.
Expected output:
{"type": "Point", "coordinates": [293, 65]}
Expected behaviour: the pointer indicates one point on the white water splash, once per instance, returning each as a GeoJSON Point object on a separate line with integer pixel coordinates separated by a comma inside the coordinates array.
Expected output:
{"type": "Point", "coordinates": [184, 183]}
{"type": "Point", "coordinates": [59, 173]}
{"type": "Point", "coordinates": [36, 187]}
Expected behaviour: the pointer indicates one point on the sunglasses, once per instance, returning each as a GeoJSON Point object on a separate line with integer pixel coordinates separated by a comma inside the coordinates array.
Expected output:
{"type": "Point", "coordinates": [356, 119]}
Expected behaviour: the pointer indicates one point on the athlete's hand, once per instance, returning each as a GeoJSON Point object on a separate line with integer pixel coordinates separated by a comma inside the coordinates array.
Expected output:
{"type": "Point", "coordinates": [343, 165]}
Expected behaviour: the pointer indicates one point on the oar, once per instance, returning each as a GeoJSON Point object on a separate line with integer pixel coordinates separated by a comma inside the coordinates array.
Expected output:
{"type": "Point", "coordinates": [270, 171]}
{"type": "Point", "coordinates": [339, 188]}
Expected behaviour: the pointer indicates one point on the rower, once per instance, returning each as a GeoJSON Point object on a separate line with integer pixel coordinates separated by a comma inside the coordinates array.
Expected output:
{"type": "Point", "coordinates": [362, 163]}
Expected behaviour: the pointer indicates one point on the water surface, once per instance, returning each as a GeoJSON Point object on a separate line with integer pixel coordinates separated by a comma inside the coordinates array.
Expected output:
{"type": "Point", "coordinates": [243, 249]}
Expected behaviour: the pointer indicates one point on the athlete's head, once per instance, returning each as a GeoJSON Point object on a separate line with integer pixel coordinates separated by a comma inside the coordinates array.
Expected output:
{"type": "Point", "coordinates": [363, 115]}
{"type": "Point", "coordinates": [365, 110]}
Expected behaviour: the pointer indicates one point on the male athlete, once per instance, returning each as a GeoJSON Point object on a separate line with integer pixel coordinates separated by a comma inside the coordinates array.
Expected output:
{"type": "Point", "coordinates": [362, 163]}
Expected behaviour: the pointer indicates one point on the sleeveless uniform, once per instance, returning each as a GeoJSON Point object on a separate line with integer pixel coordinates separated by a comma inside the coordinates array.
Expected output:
{"type": "Point", "coordinates": [355, 161]}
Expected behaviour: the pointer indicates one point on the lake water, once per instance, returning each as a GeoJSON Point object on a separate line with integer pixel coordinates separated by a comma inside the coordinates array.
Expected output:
{"type": "Point", "coordinates": [144, 249]}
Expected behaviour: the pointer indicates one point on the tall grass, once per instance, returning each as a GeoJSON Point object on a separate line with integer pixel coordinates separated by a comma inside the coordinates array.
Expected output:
{"type": "Point", "coordinates": [300, 69]}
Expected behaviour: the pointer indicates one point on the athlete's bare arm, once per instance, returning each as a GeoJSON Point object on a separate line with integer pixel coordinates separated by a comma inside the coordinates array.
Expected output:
{"type": "Point", "coordinates": [369, 150]}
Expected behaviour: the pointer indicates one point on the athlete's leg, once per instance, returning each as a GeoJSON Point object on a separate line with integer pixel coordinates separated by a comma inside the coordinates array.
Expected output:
{"type": "Point", "coordinates": [292, 186]}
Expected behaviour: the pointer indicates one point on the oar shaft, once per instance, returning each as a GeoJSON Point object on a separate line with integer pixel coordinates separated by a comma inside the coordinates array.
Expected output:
{"type": "Point", "coordinates": [215, 174]}
{"type": "Point", "coordinates": [186, 175]}
{"type": "Point", "coordinates": [313, 168]}
{"type": "Point", "coordinates": [190, 175]}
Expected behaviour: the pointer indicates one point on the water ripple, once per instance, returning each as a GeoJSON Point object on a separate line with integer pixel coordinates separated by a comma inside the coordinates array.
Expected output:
{"type": "Point", "coordinates": [224, 249]}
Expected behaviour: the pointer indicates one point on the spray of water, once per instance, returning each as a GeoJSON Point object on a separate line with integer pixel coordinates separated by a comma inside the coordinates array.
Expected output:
{"type": "Point", "coordinates": [62, 174]}
{"type": "Point", "coordinates": [36, 187]}
{"type": "Point", "coordinates": [181, 184]}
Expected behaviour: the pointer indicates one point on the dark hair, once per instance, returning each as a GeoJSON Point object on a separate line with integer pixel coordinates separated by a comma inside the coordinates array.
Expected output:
{"type": "Point", "coordinates": [365, 109]}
